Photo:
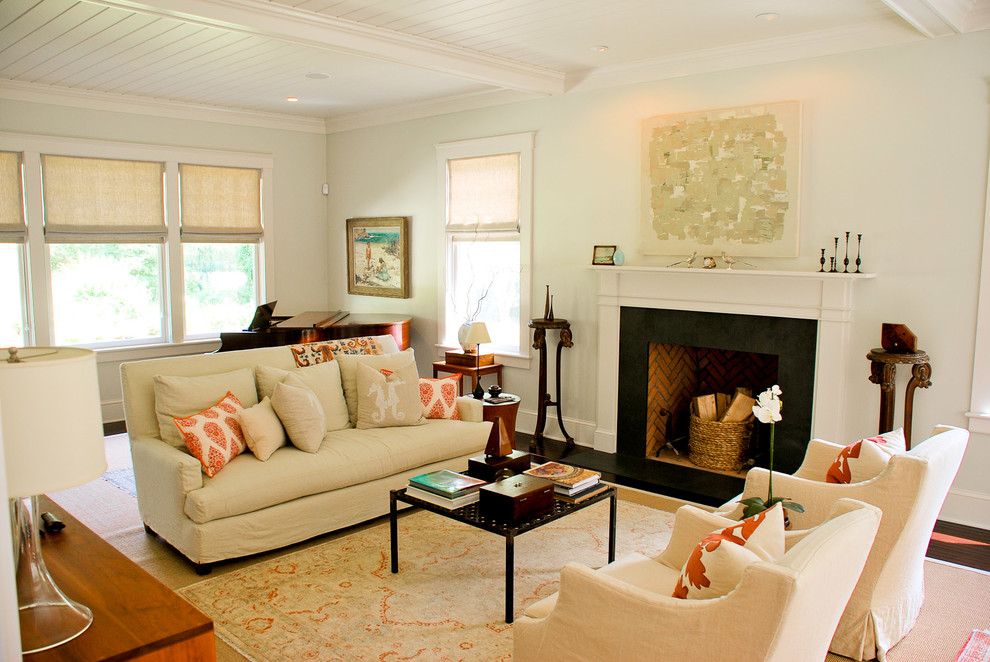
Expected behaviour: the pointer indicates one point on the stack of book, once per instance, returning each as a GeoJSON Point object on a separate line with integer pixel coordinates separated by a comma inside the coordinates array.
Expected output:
{"type": "Point", "coordinates": [570, 484]}
{"type": "Point", "coordinates": [445, 488]}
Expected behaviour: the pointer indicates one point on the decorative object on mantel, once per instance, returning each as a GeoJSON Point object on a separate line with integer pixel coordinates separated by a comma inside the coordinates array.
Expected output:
{"type": "Point", "coordinates": [689, 260]}
{"type": "Point", "coordinates": [709, 263]}
{"type": "Point", "coordinates": [731, 261]}
{"type": "Point", "coordinates": [845, 261]}
{"type": "Point", "coordinates": [899, 345]}
{"type": "Point", "coordinates": [822, 261]}
{"type": "Point", "coordinates": [759, 145]}
{"type": "Point", "coordinates": [835, 257]}
{"type": "Point", "coordinates": [540, 327]}
{"type": "Point", "coordinates": [767, 410]}
{"type": "Point", "coordinates": [833, 261]}
{"type": "Point", "coordinates": [859, 242]}
{"type": "Point", "coordinates": [618, 258]}
{"type": "Point", "coordinates": [603, 255]}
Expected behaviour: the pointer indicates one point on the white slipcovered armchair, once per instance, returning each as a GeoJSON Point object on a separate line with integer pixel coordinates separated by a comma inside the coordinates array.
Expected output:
{"type": "Point", "coordinates": [624, 612]}
{"type": "Point", "coordinates": [910, 492]}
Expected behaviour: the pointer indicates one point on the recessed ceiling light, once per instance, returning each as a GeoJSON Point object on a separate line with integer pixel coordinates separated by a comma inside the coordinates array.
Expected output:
{"type": "Point", "coordinates": [600, 48]}
{"type": "Point", "coordinates": [292, 99]}
{"type": "Point", "coordinates": [317, 75]}
{"type": "Point", "coordinates": [768, 16]}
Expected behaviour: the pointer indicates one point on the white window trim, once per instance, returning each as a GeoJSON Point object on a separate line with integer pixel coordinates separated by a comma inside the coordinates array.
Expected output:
{"type": "Point", "coordinates": [979, 408]}
{"type": "Point", "coordinates": [38, 287]}
{"type": "Point", "coordinates": [523, 144]}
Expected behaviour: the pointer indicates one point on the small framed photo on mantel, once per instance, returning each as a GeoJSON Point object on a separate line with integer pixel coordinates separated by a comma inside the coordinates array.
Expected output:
{"type": "Point", "coordinates": [604, 255]}
{"type": "Point", "coordinates": [378, 256]}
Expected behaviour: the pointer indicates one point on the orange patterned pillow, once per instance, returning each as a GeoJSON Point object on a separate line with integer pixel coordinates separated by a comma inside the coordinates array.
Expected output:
{"type": "Point", "coordinates": [439, 397]}
{"type": "Point", "coordinates": [214, 436]}
{"type": "Point", "coordinates": [717, 564]}
{"type": "Point", "coordinates": [312, 353]}
{"type": "Point", "coordinates": [866, 458]}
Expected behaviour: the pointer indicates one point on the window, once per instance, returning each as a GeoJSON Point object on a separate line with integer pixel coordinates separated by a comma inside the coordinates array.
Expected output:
{"type": "Point", "coordinates": [486, 193]}
{"type": "Point", "coordinates": [112, 244]}
{"type": "Point", "coordinates": [12, 237]}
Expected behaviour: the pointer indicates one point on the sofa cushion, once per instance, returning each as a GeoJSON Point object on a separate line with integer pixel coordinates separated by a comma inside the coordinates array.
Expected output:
{"type": "Point", "coordinates": [301, 414]}
{"type": "Point", "coordinates": [348, 373]}
{"type": "Point", "coordinates": [263, 431]}
{"type": "Point", "coordinates": [312, 353]}
{"type": "Point", "coordinates": [323, 379]}
{"type": "Point", "coordinates": [214, 435]}
{"type": "Point", "coordinates": [388, 398]}
{"type": "Point", "coordinates": [346, 457]}
{"type": "Point", "coordinates": [866, 458]}
{"type": "Point", "coordinates": [179, 397]}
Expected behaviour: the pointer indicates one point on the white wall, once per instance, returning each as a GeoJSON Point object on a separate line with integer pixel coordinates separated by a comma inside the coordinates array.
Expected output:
{"type": "Point", "coordinates": [300, 234]}
{"type": "Point", "coordinates": [895, 146]}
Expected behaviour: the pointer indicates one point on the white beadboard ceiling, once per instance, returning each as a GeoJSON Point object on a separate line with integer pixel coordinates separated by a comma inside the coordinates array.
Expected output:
{"type": "Point", "coordinates": [356, 63]}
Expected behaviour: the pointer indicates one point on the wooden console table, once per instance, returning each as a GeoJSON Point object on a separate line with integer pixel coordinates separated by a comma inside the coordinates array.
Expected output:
{"type": "Point", "coordinates": [883, 366]}
{"type": "Point", "coordinates": [135, 617]}
{"type": "Point", "coordinates": [540, 327]}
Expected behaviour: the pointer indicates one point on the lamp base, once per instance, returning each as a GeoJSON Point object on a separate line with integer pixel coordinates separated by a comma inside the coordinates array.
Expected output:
{"type": "Point", "coordinates": [48, 617]}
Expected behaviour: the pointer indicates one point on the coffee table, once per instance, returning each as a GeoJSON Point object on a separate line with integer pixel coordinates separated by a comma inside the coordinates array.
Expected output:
{"type": "Point", "coordinates": [471, 515]}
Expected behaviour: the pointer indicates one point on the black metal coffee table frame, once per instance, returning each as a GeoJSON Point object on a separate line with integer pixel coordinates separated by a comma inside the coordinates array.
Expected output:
{"type": "Point", "coordinates": [472, 515]}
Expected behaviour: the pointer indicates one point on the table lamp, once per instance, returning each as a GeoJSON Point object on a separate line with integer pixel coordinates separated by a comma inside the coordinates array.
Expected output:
{"type": "Point", "coordinates": [477, 334]}
{"type": "Point", "coordinates": [52, 440]}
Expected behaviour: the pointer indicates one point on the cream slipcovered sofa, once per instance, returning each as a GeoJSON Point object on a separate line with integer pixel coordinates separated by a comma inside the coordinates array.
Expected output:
{"type": "Point", "coordinates": [783, 611]}
{"type": "Point", "coordinates": [252, 506]}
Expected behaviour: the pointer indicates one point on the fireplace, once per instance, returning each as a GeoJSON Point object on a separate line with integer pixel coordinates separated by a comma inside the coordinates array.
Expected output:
{"type": "Point", "coordinates": [794, 325]}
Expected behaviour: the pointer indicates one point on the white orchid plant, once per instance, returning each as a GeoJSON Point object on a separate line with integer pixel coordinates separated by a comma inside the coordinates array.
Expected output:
{"type": "Point", "coordinates": [767, 410]}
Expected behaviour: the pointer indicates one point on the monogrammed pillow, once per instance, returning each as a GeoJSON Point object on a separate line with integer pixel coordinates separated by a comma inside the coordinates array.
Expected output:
{"type": "Point", "coordinates": [717, 563]}
{"type": "Point", "coordinates": [214, 435]}
{"type": "Point", "coordinates": [439, 397]}
{"type": "Point", "coordinates": [866, 458]}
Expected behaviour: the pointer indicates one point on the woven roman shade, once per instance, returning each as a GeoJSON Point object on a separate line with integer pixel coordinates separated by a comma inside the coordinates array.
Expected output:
{"type": "Point", "coordinates": [12, 228]}
{"type": "Point", "coordinates": [93, 200]}
{"type": "Point", "coordinates": [483, 193]}
{"type": "Point", "coordinates": [220, 204]}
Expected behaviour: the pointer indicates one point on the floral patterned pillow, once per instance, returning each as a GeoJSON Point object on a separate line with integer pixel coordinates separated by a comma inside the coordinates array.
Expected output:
{"type": "Point", "coordinates": [214, 436]}
{"type": "Point", "coordinates": [866, 458]}
{"type": "Point", "coordinates": [717, 563]}
{"type": "Point", "coordinates": [439, 396]}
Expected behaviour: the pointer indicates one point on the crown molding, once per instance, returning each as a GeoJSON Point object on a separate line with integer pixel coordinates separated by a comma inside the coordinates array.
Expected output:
{"type": "Point", "coordinates": [109, 102]}
{"type": "Point", "coordinates": [938, 18]}
{"type": "Point", "coordinates": [343, 36]}
{"type": "Point", "coordinates": [771, 51]}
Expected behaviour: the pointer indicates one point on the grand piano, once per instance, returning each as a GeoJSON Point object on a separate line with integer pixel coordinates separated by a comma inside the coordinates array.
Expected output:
{"type": "Point", "coordinates": [314, 326]}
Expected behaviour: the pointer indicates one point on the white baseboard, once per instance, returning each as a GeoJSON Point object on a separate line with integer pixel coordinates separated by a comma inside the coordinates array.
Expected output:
{"type": "Point", "coordinates": [582, 431]}
{"type": "Point", "coordinates": [967, 507]}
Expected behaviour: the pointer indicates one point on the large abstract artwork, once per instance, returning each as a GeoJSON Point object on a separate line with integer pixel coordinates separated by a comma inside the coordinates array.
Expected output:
{"type": "Point", "coordinates": [722, 180]}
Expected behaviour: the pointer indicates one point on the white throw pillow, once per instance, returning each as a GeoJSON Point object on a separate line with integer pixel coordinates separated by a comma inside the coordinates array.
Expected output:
{"type": "Point", "coordinates": [180, 397]}
{"type": "Point", "coordinates": [263, 430]}
{"type": "Point", "coordinates": [717, 563]}
{"type": "Point", "coordinates": [301, 414]}
{"type": "Point", "coordinates": [866, 458]}
{"type": "Point", "coordinates": [388, 398]}
{"type": "Point", "coordinates": [322, 378]}
{"type": "Point", "coordinates": [348, 372]}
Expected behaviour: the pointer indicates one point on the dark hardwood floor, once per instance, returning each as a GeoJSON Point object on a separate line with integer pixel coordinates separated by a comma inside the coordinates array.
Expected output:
{"type": "Point", "coordinates": [954, 543]}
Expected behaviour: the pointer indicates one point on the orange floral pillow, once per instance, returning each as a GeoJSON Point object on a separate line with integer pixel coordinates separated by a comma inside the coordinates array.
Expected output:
{"type": "Point", "coordinates": [866, 458]}
{"type": "Point", "coordinates": [439, 396]}
{"type": "Point", "coordinates": [214, 436]}
{"type": "Point", "coordinates": [717, 564]}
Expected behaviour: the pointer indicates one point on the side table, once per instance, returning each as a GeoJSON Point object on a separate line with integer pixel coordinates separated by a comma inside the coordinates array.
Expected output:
{"type": "Point", "coordinates": [505, 410]}
{"type": "Point", "coordinates": [469, 371]}
{"type": "Point", "coordinates": [540, 327]}
{"type": "Point", "coordinates": [883, 366]}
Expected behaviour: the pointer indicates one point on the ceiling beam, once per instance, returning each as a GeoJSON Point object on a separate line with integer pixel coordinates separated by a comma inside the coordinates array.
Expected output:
{"type": "Point", "coordinates": [340, 35]}
{"type": "Point", "coordinates": [936, 18]}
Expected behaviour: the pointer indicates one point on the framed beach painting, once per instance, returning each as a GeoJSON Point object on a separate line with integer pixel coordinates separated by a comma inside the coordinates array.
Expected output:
{"type": "Point", "coordinates": [378, 256]}
{"type": "Point", "coordinates": [724, 179]}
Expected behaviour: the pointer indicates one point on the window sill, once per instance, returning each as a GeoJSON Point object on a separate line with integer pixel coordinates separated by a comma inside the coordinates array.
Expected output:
{"type": "Point", "coordinates": [156, 350]}
{"type": "Point", "coordinates": [978, 422]}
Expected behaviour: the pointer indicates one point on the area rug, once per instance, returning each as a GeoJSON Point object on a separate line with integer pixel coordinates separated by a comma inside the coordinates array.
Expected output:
{"type": "Point", "coordinates": [339, 601]}
{"type": "Point", "coordinates": [123, 479]}
{"type": "Point", "coordinates": [977, 648]}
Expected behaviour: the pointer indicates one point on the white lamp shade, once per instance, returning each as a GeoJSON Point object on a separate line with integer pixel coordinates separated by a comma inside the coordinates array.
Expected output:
{"type": "Point", "coordinates": [478, 333]}
{"type": "Point", "coordinates": [52, 424]}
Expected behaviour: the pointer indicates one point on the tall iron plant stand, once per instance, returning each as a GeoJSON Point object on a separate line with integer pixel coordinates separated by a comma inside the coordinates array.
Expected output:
{"type": "Point", "coordinates": [540, 327]}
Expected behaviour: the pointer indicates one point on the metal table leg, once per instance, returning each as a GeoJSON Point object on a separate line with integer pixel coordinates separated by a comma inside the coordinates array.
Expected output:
{"type": "Point", "coordinates": [613, 502]}
{"type": "Point", "coordinates": [393, 531]}
{"type": "Point", "coordinates": [510, 566]}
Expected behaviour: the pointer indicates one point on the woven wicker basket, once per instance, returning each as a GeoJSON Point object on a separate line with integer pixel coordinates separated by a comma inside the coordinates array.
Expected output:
{"type": "Point", "coordinates": [717, 445]}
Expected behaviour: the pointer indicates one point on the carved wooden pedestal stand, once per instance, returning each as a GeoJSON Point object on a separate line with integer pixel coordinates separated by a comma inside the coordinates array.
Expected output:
{"type": "Point", "coordinates": [883, 366]}
{"type": "Point", "coordinates": [540, 327]}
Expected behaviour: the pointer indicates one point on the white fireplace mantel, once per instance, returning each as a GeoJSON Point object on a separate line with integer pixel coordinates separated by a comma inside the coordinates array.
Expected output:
{"type": "Point", "coordinates": [825, 297]}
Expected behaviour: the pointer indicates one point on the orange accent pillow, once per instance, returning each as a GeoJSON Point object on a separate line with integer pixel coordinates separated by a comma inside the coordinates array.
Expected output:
{"type": "Point", "coordinates": [717, 563]}
{"type": "Point", "coordinates": [439, 397]}
{"type": "Point", "coordinates": [214, 436]}
{"type": "Point", "coordinates": [866, 458]}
